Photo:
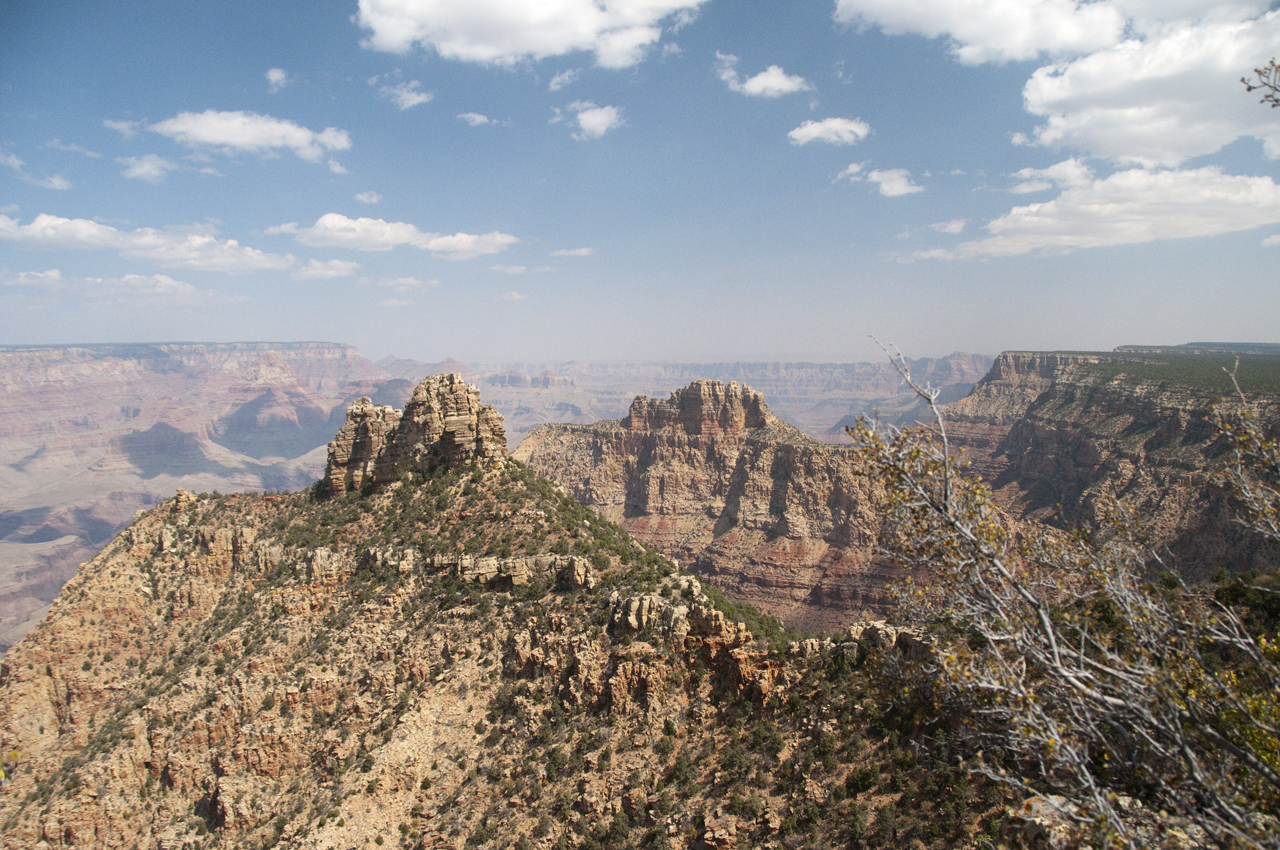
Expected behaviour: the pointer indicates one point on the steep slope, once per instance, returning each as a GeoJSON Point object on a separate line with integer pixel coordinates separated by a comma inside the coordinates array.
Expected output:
{"type": "Point", "coordinates": [461, 657]}
{"type": "Point", "coordinates": [90, 434]}
{"type": "Point", "coordinates": [710, 476]}
{"type": "Point", "coordinates": [1053, 433]}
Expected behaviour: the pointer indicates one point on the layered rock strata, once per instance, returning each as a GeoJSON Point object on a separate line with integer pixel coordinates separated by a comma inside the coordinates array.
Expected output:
{"type": "Point", "coordinates": [1056, 434]}
{"type": "Point", "coordinates": [444, 424]}
{"type": "Point", "coordinates": [710, 476]}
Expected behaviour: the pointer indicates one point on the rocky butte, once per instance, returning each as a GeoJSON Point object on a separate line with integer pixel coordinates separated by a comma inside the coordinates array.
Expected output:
{"type": "Point", "coordinates": [710, 476]}
{"type": "Point", "coordinates": [447, 651]}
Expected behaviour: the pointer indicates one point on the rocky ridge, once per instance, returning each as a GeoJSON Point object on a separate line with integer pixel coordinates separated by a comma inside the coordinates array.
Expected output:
{"type": "Point", "coordinates": [1054, 434]}
{"type": "Point", "coordinates": [710, 476]}
{"type": "Point", "coordinates": [461, 657]}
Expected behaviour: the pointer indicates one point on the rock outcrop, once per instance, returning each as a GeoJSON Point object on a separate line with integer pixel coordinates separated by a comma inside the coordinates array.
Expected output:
{"type": "Point", "coordinates": [443, 425]}
{"type": "Point", "coordinates": [710, 476]}
{"type": "Point", "coordinates": [1054, 434]}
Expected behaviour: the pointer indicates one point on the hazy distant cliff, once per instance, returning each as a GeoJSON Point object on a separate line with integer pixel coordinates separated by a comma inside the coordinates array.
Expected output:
{"type": "Point", "coordinates": [1053, 432]}
{"type": "Point", "coordinates": [712, 477]}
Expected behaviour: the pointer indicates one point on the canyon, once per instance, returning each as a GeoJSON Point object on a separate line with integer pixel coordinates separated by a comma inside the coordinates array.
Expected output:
{"type": "Point", "coordinates": [91, 434]}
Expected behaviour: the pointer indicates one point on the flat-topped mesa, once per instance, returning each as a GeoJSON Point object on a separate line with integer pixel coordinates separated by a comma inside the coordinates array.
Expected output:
{"type": "Point", "coordinates": [444, 425]}
{"type": "Point", "coordinates": [703, 407]}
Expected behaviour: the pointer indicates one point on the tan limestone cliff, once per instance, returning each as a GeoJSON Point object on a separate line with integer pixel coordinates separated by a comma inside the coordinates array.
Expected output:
{"type": "Point", "coordinates": [710, 476]}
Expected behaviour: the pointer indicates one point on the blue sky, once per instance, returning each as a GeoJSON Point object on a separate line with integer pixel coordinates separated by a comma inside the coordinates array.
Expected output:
{"type": "Point", "coordinates": [505, 180]}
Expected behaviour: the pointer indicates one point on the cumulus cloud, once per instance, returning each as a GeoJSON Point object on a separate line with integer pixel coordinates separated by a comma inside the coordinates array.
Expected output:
{"type": "Point", "coordinates": [573, 252]}
{"type": "Point", "coordinates": [506, 32]}
{"type": "Point", "coordinates": [73, 148]}
{"type": "Point", "coordinates": [248, 132]}
{"type": "Point", "coordinates": [369, 197]}
{"type": "Point", "coordinates": [852, 173]}
{"type": "Point", "coordinates": [894, 182]}
{"type": "Point", "coordinates": [407, 95]}
{"type": "Point", "coordinates": [563, 79]}
{"type": "Point", "coordinates": [1068, 173]}
{"type": "Point", "coordinates": [771, 82]}
{"type": "Point", "coordinates": [336, 167]}
{"type": "Point", "coordinates": [594, 121]}
{"type": "Point", "coordinates": [1162, 100]}
{"type": "Point", "coordinates": [125, 287]}
{"type": "Point", "coordinates": [1132, 206]}
{"type": "Point", "coordinates": [317, 270]}
{"type": "Point", "coordinates": [373, 234]}
{"type": "Point", "coordinates": [956, 225]}
{"type": "Point", "coordinates": [1271, 240]}
{"type": "Point", "coordinates": [18, 167]}
{"type": "Point", "coordinates": [149, 168]}
{"type": "Point", "coordinates": [994, 30]}
{"type": "Point", "coordinates": [835, 131]}
{"type": "Point", "coordinates": [475, 119]}
{"type": "Point", "coordinates": [196, 249]}
{"type": "Point", "coordinates": [277, 78]}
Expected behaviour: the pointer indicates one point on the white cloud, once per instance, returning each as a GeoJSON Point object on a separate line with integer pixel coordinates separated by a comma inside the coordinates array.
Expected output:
{"type": "Point", "coordinates": [506, 32]}
{"type": "Point", "coordinates": [125, 287]}
{"type": "Point", "coordinates": [336, 167]}
{"type": "Point", "coordinates": [771, 82]}
{"type": "Point", "coordinates": [514, 296]}
{"type": "Point", "coordinates": [994, 30]}
{"type": "Point", "coordinates": [17, 166]}
{"type": "Point", "coordinates": [73, 148]}
{"type": "Point", "coordinates": [406, 95]}
{"type": "Point", "coordinates": [394, 302]}
{"type": "Point", "coordinates": [475, 119]}
{"type": "Point", "coordinates": [1130, 207]}
{"type": "Point", "coordinates": [249, 132]}
{"type": "Point", "coordinates": [836, 131]}
{"type": "Point", "coordinates": [594, 121]}
{"type": "Point", "coordinates": [956, 225]}
{"type": "Point", "coordinates": [1065, 174]}
{"type": "Point", "coordinates": [399, 284]}
{"type": "Point", "coordinates": [509, 269]}
{"type": "Point", "coordinates": [894, 182]}
{"type": "Point", "coordinates": [149, 168]}
{"type": "Point", "coordinates": [1161, 101]}
{"type": "Point", "coordinates": [277, 78]}
{"type": "Point", "coordinates": [369, 197]}
{"type": "Point", "coordinates": [374, 234]}
{"type": "Point", "coordinates": [573, 252]}
{"type": "Point", "coordinates": [1272, 240]}
{"type": "Point", "coordinates": [317, 270]}
{"type": "Point", "coordinates": [128, 129]}
{"type": "Point", "coordinates": [563, 79]}
{"type": "Point", "coordinates": [191, 249]}
{"type": "Point", "coordinates": [852, 173]}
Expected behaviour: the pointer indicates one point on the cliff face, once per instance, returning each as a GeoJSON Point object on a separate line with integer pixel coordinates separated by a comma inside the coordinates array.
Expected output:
{"type": "Point", "coordinates": [443, 425]}
{"type": "Point", "coordinates": [1054, 433]}
{"type": "Point", "coordinates": [712, 477]}
{"type": "Point", "coordinates": [462, 658]}
{"type": "Point", "coordinates": [91, 434]}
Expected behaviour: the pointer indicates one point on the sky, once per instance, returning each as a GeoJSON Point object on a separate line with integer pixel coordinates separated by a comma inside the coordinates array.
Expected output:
{"type": "Point", "coordinates": [673, 180]}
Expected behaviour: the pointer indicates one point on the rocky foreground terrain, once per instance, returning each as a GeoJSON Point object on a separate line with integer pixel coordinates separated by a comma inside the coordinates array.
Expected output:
{"type": "Point", "coordinates": [451, 653]}
{"type": "Point", "coordinates": [1055, 433]}
{"type": "Point", "coordinates": [712, 477]}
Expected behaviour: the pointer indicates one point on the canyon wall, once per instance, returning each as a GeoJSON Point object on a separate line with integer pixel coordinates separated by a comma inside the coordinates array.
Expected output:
{"type": "Point", "coordinates": [712, 477]}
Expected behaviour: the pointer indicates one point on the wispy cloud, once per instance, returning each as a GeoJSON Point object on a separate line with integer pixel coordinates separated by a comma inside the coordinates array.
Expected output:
{"type": "Point", "coordinates": [369, 197]}
{"type": "Point", "coordinates": [18, 167]}
{"type": "Point", "coordinates": [514, 296]}
{"type": "Point", "coordinates": [375, 234]}
{"type": "Point", "coordinates": [129, 287]}
{"type": "Point", "coordinates": [573, 252]}
{"type": "Point", "coordinates": [956, 225]}
{"type": "Point", "coordinates": [475, 119]}
{"type": "Point", "coordinates": [407, 95]}
{"type": "Point", "coordinates": [128, 129]}
{"type": "Point", "coordinates": [148, 168]}
{"type": "Point", "coordinates": [563, 79]}
{"type": "Point", "coordinates": [72, 148]}
{"type": "Point", "coordinates": [323, 270]}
